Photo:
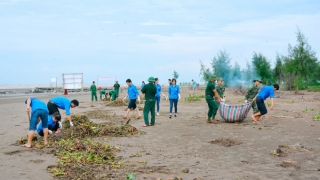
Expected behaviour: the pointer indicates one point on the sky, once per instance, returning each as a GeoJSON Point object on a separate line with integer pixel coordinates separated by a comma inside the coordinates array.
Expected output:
{"type": "Point", "coordinates": [41, 39]}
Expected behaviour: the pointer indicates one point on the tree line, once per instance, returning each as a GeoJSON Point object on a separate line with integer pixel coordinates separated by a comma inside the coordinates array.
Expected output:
{"type": "Point", "coordinates": [296, 70]}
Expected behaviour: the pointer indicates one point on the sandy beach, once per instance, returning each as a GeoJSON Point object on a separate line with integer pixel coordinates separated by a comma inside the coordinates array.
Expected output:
{"type": "Point", "coordinates": [187, 147]}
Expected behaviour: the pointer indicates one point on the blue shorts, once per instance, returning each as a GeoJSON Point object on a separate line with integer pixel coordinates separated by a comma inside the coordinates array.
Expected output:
{"type": "Point", "coordinates": [39, 113]}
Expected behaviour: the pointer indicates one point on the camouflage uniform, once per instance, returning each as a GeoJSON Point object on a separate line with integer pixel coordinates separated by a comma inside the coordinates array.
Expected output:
{"type": "Point", "coordinates": [220, 90]}
{"type": "Point", "coordinates": [250, 95]}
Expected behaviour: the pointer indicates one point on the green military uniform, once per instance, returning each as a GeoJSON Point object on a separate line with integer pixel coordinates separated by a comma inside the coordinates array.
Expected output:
{"type": "Point", "coordinates": [212, 104]}
{"type": "Point", "coordinates": [113, 94]}
{"type": "Point", "coordinates": [116, 87]}
{"type": "Point", "coordinates": [150, 92]}
{"type": "Point", "coordinates": [251, 94]}
{"type": "Point", "coordinates": [93, 90]}
{"type": "Point", "coordinates": [220, 90]}
{"type": "Point", "coordinates": [103, 91]}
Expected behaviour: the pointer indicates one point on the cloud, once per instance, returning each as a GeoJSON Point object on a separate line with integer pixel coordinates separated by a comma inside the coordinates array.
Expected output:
{"type": "Point", "coordinates": [182, 43]}
{"type": "Point", "coordinates": [153, 23]}
{"type": "Point", "coordinates": [107, 22]}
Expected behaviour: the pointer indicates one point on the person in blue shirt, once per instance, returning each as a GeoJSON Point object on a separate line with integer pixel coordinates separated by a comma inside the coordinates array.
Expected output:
{"type": "Point", "coordinates": [39, 110]}
{"type": "Point", "coordinates": [143, 84]}
{"type": "Point", "coordinates": [194, 85]}
{"type": "Point", "coordinates": [133, 95]}
{"type": "Point", "coordinates": [264, 93]}
{"type": "Point", "coordinates": [53, 124]}
{"type": "Point", "coordinates": [158, 95]}
{"type": "Point", "coordinates": [61, 102]}
{"type": "Point", "coordinates": [174, 96]}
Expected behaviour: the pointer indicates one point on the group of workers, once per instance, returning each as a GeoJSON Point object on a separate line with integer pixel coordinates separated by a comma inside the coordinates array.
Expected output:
{"type": "Point", "coordinates": [103, 92]}
{"type": "Point", "coordinates": [47, 117]}
{"type": "Point", "coordinates": [214, 94]}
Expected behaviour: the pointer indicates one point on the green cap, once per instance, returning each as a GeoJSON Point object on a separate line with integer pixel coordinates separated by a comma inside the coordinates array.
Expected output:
{"type": "Point", "coordinates": [213, 77]}
{"type": "Point", "coordinates": [151, 79]}
{"type": "Point", "coordinates": [220, 79]}
{"type": "Point", "coordinates": [257, 80]}
{"type": "Point", "coordinates": [116, 81]}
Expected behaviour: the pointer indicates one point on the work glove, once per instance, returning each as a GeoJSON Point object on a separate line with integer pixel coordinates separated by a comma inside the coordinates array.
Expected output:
{"type": "Point", "coordinates": [139, 99]}
{"type": "Point", "coordinates": [71, 123]}
{"type": "Point", "coordinates": [246, 101]}
{"type": "Point", "coordinates": [50, 132]}
{"type": "Point", "coordinates": [179, 96]}
{"type": "Point", "coordinates": [60, 124]}
{"type": "Point", "coordinates": [125, 98]}
{"type": "Point", "coordinates": [222, 100]}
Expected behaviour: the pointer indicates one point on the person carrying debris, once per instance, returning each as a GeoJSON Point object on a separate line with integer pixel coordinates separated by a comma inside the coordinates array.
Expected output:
{"type": "Point", "coordinates": [64, 103]}
{"type": "Point", "coordinates": [113, 95]}
{"type": "Point", "coordinates": [102, 92]}
{"type": "Point", "coordinates": [213, 99]}
{"type": "Point", "coordinates": [93, 89]}
{"type": "Point", "coordinates": [251, 94]}
{"type": "Point", "coordinates": [264, 93]}
{"type": "Point", "coordinates": [133, 95]}
{"type": "Point", "coordinates": [150, 91]}
{"type": "Point", "coordinates": [174, 96]}
{"type": "Point", "coordinates": [53, 124]}
{"type": "Point", "coordinates": [221, 89]}
{"type": "Point", "coordinates": [158, 95]}
{"type": "Point", "coordinates": [39, 110]}
{"type": "Point", "coordinates": [116, 87]}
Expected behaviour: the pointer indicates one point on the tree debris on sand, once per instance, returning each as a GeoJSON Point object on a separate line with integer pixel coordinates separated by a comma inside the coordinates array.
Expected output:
{"type": "Point", "coordinates": [226, 142]}
{"type": "Point", "coordinates": [286, 164]}
{"type": "Point", "coordinates": [117, 102]}
{"type": "Point", "coordinates": [79, 156]}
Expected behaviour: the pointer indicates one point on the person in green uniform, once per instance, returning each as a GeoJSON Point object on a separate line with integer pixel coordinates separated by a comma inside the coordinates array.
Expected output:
{"type": "Point", "coordinates": [93, 89]}
{"type": "Point", "coordinates": [212, 98]}
{"type": "Point", "coordinates": [113, 95]}
{"type": "Point", "coordinates": [220, 89]}
{"type": "Point", "coordinates": [116, 87]}
{"type": "Point", "coordinates": [150, 91]}
{"type": "Point", "coordinates": [103, 91]}
{"type": "Point", "coordinates": [251, 94]}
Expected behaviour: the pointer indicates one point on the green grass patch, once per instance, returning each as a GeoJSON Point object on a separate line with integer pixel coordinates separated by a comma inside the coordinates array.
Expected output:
{"type": "Point", "coordinates": [314, 88]}
{"type": "Point", "coordinates": [194, 97]}
{"type": "Point", "coordinates": [316, 117]}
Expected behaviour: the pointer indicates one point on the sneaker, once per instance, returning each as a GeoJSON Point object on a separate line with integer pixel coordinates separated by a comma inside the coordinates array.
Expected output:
{"type": "Point", "coordinates": [170, 116]}
{"type": "Point", "coordinates": [158, 114]}
{"type": "Point", "coordinates": [175, 115]}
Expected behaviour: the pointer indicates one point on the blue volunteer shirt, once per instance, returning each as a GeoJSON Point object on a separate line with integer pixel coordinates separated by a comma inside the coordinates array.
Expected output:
{"type": "Point", "coordinates": [174, 91]}
{"type": "Point", "coordinates": [194, 84]}
{"type": "Point", "coordinates": [265, 92]}
{"type": "Point", "coordinates": [37, 104]}
{"type": "Point", "coordinates": [62, 103]}
{"type": "Point", "coordinates": [51, 124]}
{"type": "Point", "coordinates": [133, 92]}
{"type": "Point", "coordinates": [158, 90]}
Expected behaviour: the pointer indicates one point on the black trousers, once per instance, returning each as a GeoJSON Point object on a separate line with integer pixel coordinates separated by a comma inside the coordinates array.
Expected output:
{"type": "Point", "coordinates": [52, 107]}
{"type": "Point", "coordinates": [261, 106]}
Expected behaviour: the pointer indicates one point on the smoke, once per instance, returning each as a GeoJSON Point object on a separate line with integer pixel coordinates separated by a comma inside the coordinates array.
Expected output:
{"type": "Point", "coordinates": [233, 76]}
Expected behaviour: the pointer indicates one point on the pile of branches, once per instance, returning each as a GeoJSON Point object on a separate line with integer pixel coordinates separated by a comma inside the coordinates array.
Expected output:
{"type": "Point", "coordinates": [79, 156]}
